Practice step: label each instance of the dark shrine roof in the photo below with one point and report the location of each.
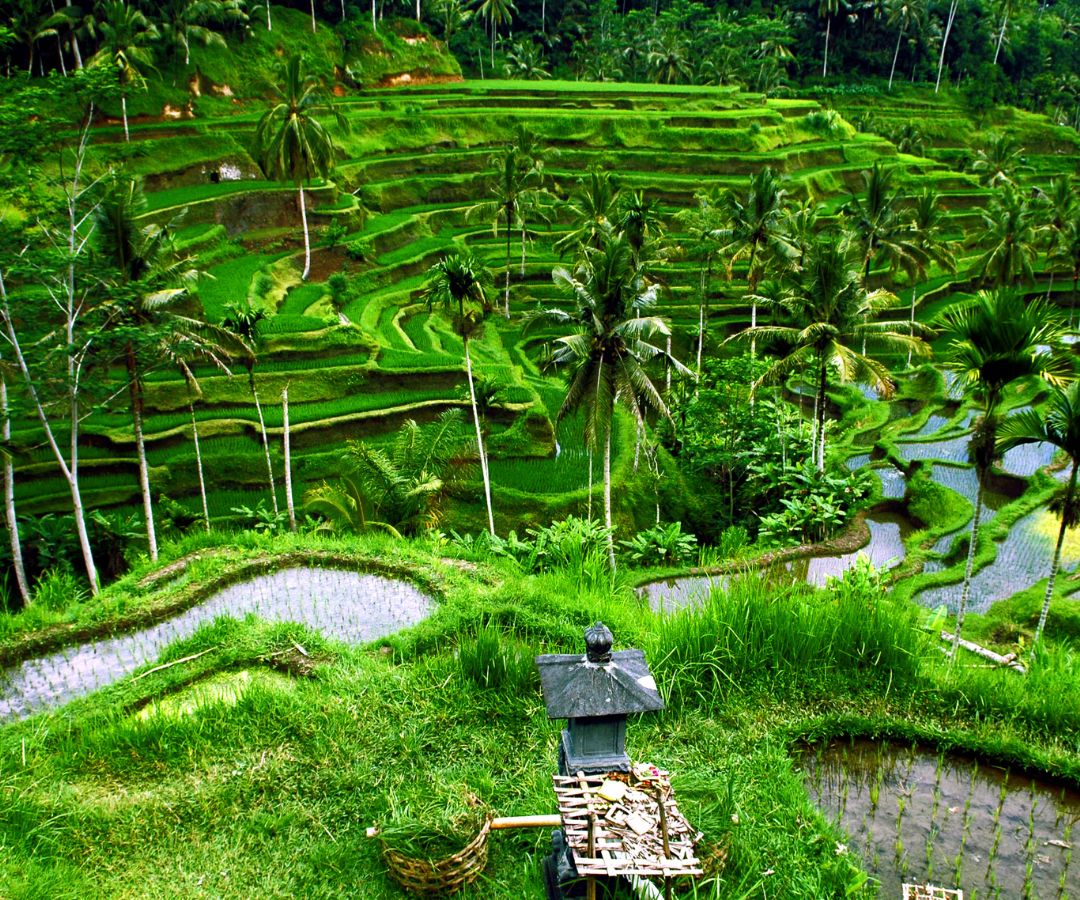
(576, 688)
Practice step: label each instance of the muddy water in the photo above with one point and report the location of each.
(347, 606)
(915, 816)
(887, 533)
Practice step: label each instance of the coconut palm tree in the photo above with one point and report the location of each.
(703, 225)
(832, 314)
(592, 212)
(1068, 253)
(148, 281)
(127, 39)
(497, 13)
(1009, 239)
(1059, 426)
(245, 322)
(608, 346)
(930, 228)
(291, 142)
(999, 161)
(876, 227)
(904, 13)
(184, 22)
(755, 229)
(459, 283)
(994, 340)
(1059, 206)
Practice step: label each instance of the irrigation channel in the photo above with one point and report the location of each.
(915, 815)
(1023, 556)
(346, 606)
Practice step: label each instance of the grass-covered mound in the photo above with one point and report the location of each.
(192, 781)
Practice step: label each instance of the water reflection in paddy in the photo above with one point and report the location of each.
(348, 606)
(913, 815)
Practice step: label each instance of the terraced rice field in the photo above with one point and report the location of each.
(413, 164)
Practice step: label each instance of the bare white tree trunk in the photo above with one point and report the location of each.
(374, 25)
(266, 446)
(123, 109)
(9, 501)
(135, 388)
(944, 42)
(1001, 37)
(199, 467)
(1055, 563)
(896, 53)
(589, 505)
(969, 566)
(607, 495)
(269, 24)
(307, 237)
(75, 45)
(313, 25)
(911, 328)
(825, 64)
(288, 458)
(479, 440)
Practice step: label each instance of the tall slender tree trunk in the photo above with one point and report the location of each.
(75, 44)
(589, 505)
(944, 41)
(523, 239)
(265, 440)
(896, 53)
(374, 24)
(288, 458)
(307, 236)
(417, 10)
(136, 393)
(825, 64)
(60, 55)
(123, 110)
(969, 566)
(199, 466)
(543, 16)
(342, 10)
(313, 24)
(1001, 37)
(1055, 564)
(700, 328)
(9, 501)
(506, 298)
(607, 494)
(269, 24)
(479, 438)
(819, 416)
(911, 326)
(752, 286)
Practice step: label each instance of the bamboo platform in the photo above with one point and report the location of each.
(640, 833)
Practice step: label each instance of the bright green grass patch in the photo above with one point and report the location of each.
(229, 283)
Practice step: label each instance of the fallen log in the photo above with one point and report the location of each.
(1010, 661)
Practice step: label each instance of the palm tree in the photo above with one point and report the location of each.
(639, 219)
(127, 37)
(460, 282)
(525, 61)
(999, 161)
(496, 12)
(827, 9)
(904, 13)
(832, 312)
(876, 226)
(592, 212)
(993, 340)
(1010, 240)
(1060, 206)
(702, 224)
(1059, 426)
(149, 280)
(291, 142)
(929, 226)
(755, 228)
(187, 21)
(608, 346)
(668, 61)
(1004, 10)
(1068, 252)
(244, 322)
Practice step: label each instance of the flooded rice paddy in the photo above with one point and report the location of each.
(346, 606)
(918, 816)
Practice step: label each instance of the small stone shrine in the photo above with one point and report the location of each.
(618, 819)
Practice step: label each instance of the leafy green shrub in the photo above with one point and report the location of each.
(815, 504)
(262, 519)
(826, 122)
(661, 545)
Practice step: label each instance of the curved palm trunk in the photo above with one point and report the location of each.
(136, 393)
(479, 438)
(269, 24)
(199, 466)
(607, 495)
(265, 440)
(589, 507)
(700, 328)
(75, 44)
(896, 53)
(523, 239)
(288, 462)
(313, 25)
(752, 285)
(307, 237)
(965, 593)
(911, 328)
(123, 110)
(1055, 564)
(9, 502)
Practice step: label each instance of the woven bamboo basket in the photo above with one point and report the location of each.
(432, 877)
